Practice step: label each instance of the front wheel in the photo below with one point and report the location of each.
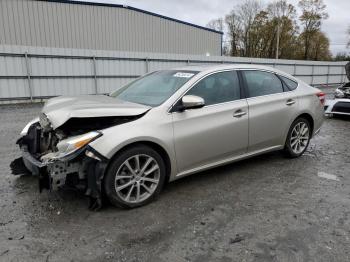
(298, 138)
(135, 177)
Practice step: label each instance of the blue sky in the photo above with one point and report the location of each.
(201, 11)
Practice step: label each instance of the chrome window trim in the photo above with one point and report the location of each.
(290, 80)
(235, 69)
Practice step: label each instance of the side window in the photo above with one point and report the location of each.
(262, 83)
(289, 83)
(218, 88)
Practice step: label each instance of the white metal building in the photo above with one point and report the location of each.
(56, 47)
(85, 25)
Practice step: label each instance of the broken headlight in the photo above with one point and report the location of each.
(69, 147)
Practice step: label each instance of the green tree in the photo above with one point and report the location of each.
(272, 27)
(259, 35)
(256, 31)
(320, 47)
(342, 56)
(313, 12)
(246, 13)
(282, 17)
(234, 33)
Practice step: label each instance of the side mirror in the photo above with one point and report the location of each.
(192, 102)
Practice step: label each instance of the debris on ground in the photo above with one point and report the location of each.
(16, 238)
(5, 223)
(237, 239)
(328, 176)
(4, 252)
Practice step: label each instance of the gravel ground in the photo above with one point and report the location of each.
(267, 208)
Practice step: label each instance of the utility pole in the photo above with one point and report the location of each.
(278, 40)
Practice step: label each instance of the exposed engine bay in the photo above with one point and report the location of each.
(340, 105)
(42, 140)
(343, 91)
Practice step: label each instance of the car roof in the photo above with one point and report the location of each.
(207, 68)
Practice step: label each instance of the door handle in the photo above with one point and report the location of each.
(290, 102)
(239, 113)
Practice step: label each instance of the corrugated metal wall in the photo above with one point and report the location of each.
(34, 72)
(87, 26)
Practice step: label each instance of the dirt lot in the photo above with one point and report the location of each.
(268, 208)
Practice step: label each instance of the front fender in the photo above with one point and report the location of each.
(142, 130)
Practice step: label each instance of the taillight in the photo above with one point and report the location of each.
(322, 97)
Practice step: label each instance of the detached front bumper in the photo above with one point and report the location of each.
(37, 168)
(30, 162)
(85, 169)
(61, 157)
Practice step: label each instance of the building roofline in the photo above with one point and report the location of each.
(133, 9)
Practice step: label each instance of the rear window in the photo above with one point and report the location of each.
(289, 83)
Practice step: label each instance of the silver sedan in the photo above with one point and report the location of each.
(166, 125)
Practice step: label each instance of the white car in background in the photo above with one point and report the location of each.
(340, 105)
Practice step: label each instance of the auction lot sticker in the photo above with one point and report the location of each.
(184, 75)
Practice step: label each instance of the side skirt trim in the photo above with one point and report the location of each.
(227, 160)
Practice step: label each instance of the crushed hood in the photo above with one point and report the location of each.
(60, 109)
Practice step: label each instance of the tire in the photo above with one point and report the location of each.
(294, 138)
(129, 183)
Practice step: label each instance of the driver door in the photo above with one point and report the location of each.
(216, 132)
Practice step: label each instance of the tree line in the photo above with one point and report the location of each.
(275, 30)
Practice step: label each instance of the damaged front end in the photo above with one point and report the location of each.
(343, 91)
(56, 146)
(62, 156)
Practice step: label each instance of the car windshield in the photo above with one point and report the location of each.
(153, 89)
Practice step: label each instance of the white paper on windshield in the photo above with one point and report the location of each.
(184, 75)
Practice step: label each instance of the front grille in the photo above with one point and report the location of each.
(342, 107)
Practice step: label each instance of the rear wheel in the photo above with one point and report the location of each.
(298, 138)
(135, 177)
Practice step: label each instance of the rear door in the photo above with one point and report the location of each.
(215, 132)
(271, 109)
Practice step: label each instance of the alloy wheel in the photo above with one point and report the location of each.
(299, 137)
(137, 178)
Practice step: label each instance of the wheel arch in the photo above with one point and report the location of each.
(309, 118)
(305, 115)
